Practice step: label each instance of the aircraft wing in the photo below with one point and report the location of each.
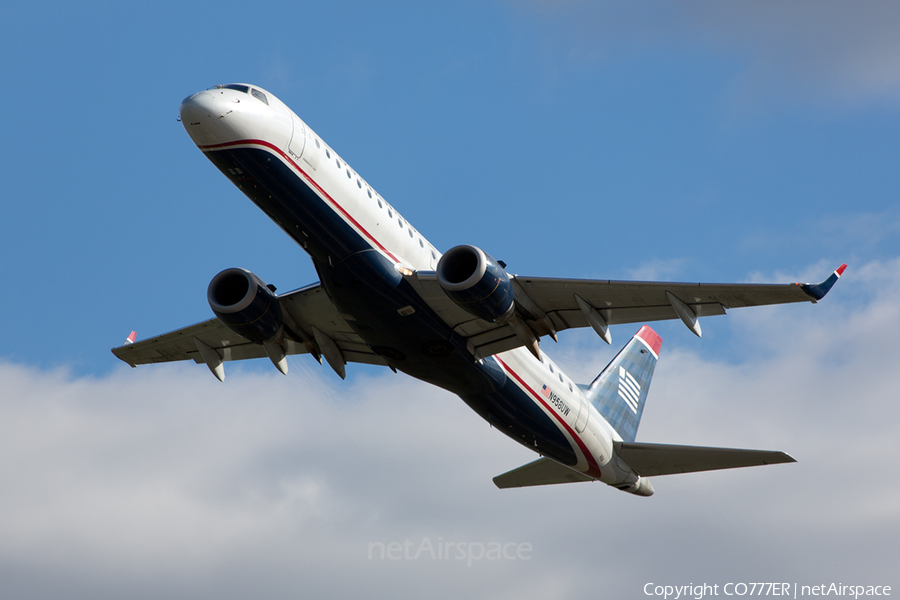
(649, 460)
(550, 305)
(304, 310)
(543, 471)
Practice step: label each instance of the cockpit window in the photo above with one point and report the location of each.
(259, 96)
(240, 88)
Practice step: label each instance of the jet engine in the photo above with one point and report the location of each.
(246, 305)
(477, 283)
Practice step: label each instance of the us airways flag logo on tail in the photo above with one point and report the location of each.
(629, 389)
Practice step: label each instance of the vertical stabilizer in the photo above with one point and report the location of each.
(620, 391)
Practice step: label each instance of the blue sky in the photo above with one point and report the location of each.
(697, 141)
(546, 134)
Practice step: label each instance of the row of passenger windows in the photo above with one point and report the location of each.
(559, 374)
(381, 203)
(409, 229)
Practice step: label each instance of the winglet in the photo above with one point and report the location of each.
(131, 337)
(817, 291)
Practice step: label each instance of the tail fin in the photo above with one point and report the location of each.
(619, 392)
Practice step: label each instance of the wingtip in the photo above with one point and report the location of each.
(819, 290)
(781, 458)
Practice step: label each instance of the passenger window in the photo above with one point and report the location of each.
(318, 146)
(390, 214)
(410, 232)
(369, 192)
(551, 367)
(379, 203)
(421, 245)
(327, 152)
(338, 161)
(400, 222)
(348, 174)
(560, 378)
(570, 387)
(358, 184)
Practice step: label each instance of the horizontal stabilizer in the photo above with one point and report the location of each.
(649, 460)
(543, 471)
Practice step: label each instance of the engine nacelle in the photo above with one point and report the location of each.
(477, 283)
(242, 301)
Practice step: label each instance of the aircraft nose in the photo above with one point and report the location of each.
(197, 106)
(199, 113)
(233, 113)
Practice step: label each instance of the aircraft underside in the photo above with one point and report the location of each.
(363, 284)
(457, 320)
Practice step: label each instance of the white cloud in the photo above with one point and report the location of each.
(825, 52)
(161, 481)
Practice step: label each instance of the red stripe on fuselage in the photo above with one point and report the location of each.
(593, 468)
(311, 181)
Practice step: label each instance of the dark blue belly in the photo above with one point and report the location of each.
(362, 282)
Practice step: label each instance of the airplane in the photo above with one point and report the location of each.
(457, 320)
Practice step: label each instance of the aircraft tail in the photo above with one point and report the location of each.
(620, 391)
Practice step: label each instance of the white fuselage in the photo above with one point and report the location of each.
(223, 118)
